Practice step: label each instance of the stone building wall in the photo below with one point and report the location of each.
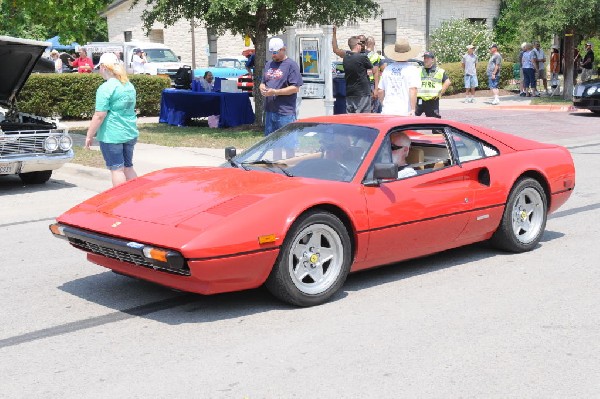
(409, 16)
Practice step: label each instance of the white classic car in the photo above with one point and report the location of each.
(30, 146)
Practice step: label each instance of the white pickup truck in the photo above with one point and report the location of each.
(161, 60)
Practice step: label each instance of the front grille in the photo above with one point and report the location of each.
(24, 143)
(110, 252)
(121, 250)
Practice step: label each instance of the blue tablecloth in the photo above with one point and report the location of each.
(176, 106)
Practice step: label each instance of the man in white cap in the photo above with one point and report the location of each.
(469, 66)
(400, 80)
(280, 84)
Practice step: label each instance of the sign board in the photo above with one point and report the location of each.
(310, 57)
(312, 90)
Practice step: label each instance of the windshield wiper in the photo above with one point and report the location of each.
(237, 165)
(280, 166)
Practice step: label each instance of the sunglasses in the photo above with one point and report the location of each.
(275, 52)
(396, 147)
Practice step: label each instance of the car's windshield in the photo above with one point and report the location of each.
(160, 55)
(317, 150)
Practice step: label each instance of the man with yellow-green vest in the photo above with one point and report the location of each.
(374, 74)
(434, 82)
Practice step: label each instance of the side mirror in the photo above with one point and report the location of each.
(385, 171)
(179, 58)
(230, 152)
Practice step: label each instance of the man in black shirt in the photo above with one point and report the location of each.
(587, 64)
(356, 65)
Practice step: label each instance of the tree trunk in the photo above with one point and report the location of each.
(260, 52)
(568, 70)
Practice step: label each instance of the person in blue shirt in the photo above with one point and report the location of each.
(115, 122)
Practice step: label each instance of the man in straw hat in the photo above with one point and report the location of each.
(400, 80)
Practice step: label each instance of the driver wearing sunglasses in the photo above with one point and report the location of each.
(400, 148)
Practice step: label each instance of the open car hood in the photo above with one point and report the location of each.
(18, 59)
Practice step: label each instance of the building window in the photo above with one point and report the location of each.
(477, 20)
(157, 36)
(127, 35)
(212, 47)
(389, 31)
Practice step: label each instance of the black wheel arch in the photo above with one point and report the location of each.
(340, 214)
(541, 179)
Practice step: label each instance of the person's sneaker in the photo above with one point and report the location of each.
(466, 100)
(472, 99)
(522, 94)
(495, 101)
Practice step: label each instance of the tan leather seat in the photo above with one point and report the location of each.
(415, 155)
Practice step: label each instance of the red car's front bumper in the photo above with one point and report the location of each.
(207, 276)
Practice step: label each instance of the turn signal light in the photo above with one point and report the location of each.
(267, 239)
(57, 230)
(156, 254)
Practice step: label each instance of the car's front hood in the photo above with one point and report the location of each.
(18, 59)
(171, 196)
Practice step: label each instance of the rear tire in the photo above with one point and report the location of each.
(36, 177)
(314, 260)
(524, 218)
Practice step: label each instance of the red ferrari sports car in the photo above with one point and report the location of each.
(321, 198)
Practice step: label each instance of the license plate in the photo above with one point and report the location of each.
(8, 168)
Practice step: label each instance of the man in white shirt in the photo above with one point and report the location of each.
(138, 61)
(400, 80)
(541, 65)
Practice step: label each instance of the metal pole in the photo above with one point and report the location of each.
(327, 51)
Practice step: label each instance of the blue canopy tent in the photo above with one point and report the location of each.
(61, 47)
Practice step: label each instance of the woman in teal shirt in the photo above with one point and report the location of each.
(115, 122)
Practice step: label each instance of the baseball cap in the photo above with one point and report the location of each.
(470, 46)
(494, 45)
(276, 44)
(588, 44)
(109, 59)
(429, 54)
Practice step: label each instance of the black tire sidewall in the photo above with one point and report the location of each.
(504, 237)
(280, 282)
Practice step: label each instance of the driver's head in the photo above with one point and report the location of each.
(400, 147)
(335, 146)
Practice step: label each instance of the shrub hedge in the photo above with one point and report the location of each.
(456, 76)
(73, 95)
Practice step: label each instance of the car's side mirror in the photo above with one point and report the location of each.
(385, 171)
(230, 152)
(179, 58)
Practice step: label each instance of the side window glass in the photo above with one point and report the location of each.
(469, 148)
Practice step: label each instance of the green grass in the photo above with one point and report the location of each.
(554, 100)
(173, 136)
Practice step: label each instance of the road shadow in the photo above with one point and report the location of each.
(168, 306)
(584, 114)
(12, 185)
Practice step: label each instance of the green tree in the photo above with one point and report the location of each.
(571, 19)
(73, 20)
(449, 41)
(257, 19)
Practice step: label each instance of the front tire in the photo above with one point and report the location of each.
(40, 177)
(524, 218)
(314, 260)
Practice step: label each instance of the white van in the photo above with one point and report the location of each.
(161, 59)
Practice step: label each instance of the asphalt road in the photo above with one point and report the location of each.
(470, 322)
